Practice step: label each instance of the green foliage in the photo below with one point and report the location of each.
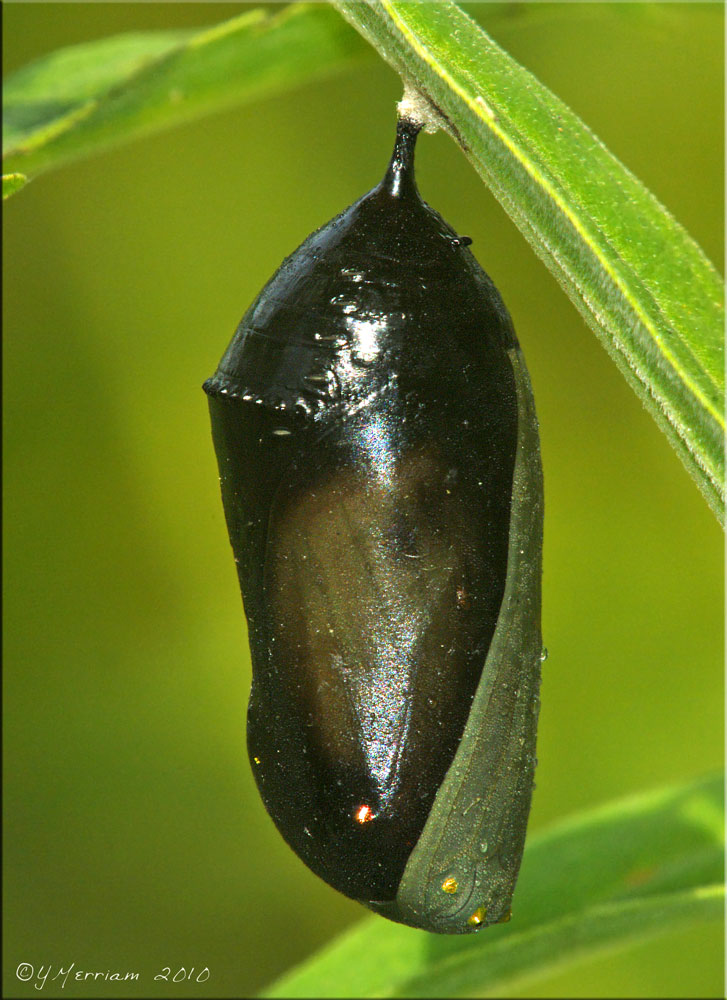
(13, 183)
(86, 98)
(599, 882)
(595, 882)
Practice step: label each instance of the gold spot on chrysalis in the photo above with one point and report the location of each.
(364, 814)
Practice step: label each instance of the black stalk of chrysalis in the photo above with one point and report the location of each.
(380, 468)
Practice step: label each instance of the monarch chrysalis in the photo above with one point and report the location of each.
(380, 469)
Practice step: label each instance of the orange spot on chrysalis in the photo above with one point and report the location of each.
(364, 814)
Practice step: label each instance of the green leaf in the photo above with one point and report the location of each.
(41, 94)
(633, 272)
(89, 97)
(632, 869)
(13, 183)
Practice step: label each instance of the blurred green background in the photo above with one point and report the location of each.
(134, 837)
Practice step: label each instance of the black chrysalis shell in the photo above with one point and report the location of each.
(378, 454)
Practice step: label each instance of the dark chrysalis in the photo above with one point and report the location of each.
(380, 468)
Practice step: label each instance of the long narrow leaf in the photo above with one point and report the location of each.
(638, 867)
(39, 96)
(89, 97)
(632, 271)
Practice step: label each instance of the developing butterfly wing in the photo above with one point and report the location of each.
(463, 871)
(379, 585)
